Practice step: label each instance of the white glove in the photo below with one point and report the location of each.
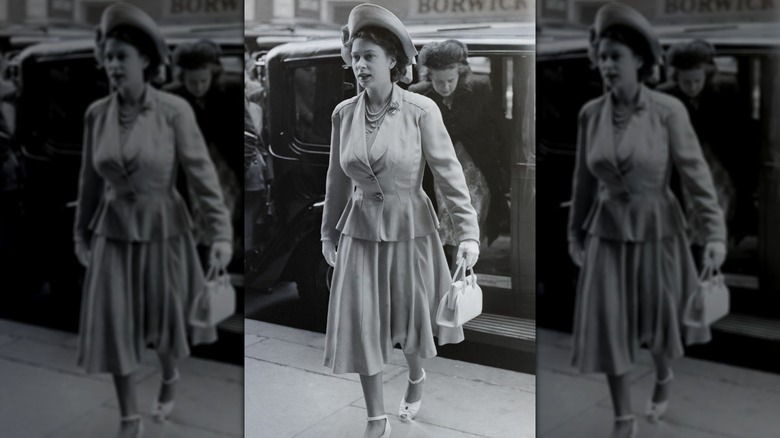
(576, 253)
(220, 254)
(82, 252)
(714, 254)
(469, 249)
(329, 252)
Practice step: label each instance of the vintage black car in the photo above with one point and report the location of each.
(747, 61)
(54, 84)
(304, 82)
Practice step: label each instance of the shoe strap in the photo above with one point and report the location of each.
(173, 379)
(381, 417)
(624, 418)
(130, 418)
(669, 377)
(415, 382)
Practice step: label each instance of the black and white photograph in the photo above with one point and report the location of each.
(657, 280)
(121, 226)
(390, 233)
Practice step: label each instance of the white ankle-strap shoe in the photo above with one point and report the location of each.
(386, 431)
(162, 410)
(656, 410)
(138, 432)
(407, 411)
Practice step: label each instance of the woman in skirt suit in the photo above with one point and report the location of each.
(626, 228)
(132, 228)
(379, 228)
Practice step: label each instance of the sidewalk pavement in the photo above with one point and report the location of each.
(708, 399)
(289, 393)
(45, 395)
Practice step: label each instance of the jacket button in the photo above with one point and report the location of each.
(371, 177)
(379, 197)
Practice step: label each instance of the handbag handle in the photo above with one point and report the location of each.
(709, 272)
(213, 273)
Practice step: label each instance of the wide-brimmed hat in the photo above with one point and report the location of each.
(124, 14)
(620, 14)
(373, 15)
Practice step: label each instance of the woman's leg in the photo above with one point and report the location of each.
(663, 373)
(169, 374)
(414, 392)
(620, 391)
(128, 405)
(375, 403)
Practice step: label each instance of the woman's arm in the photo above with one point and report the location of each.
(90, 188)
(201, 174)
(338, 186)
(694, 173)
(448, 173)
(584, 186)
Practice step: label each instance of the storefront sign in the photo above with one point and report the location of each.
(472, 9)
(307, 9)
(702, 10)
(203, 8)
(61, 9)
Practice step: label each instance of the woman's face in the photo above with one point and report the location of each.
(618, 64)
(124, 64)
(691, 81)
(444, 81)
(371, 64)
(197, 81)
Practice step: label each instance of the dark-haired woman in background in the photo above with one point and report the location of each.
(470, 114)
(390, 270)
(132, 229)
(216, 103)
(721, 129)
(626, 228)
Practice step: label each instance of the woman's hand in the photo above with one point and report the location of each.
(714, 254)
(220, 255)
(469, 250)
(82, 252)
(576, 253)
(329, 252)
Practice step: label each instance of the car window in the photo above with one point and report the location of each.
(53, 101)
(317, 89)
(563, 87)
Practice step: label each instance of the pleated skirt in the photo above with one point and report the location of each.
(138, 294)
(383, 294)
(632, 295)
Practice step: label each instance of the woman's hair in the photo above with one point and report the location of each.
(443, 55)
(197, 55)
(631, 38)
(691, 55)
(141, 41)
(389, 42)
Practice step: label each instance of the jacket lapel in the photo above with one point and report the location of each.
(357, 134)
(388, 128)
(137, 138)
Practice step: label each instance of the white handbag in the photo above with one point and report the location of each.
(463, 301)
(710, 301)
(217, 301)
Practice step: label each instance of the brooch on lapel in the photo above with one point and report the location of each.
(393, 108)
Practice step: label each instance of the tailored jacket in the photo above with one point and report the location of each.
(379, 196)
(629, 199)
(128, 192)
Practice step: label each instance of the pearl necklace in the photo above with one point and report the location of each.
(373, 120)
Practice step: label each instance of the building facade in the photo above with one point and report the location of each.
(409, 11)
